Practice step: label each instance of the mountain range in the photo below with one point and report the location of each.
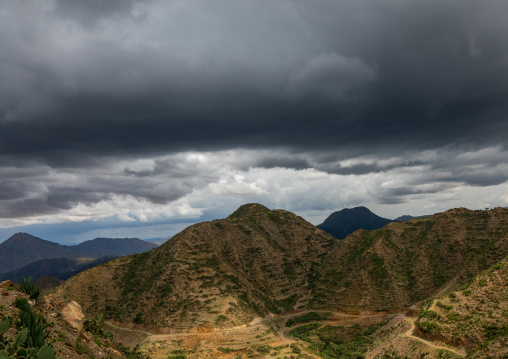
(362, 294)
(60, 268)
(258, 261)
(22, 249)
(266, 283)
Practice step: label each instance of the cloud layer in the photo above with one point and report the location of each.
(149, 109)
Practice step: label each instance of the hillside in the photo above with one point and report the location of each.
(22, 249)
(342, 223)
(396, 266)
(257, 261)
(223, 272)
(475, 317)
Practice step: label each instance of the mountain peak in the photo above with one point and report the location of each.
(249, 209)
(22, 238)
(342, 223)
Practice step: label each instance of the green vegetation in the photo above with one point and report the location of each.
(34, 322)
(429, 327)
(305, 318)
(302, 332)
(443, 306)
(95, 326)
(19, 348)
(336, 341)
(28, 286)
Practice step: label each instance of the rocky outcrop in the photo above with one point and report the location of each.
(73, 315)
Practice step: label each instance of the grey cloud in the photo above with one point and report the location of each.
(89, 12)
(332, 77)
(85, 82)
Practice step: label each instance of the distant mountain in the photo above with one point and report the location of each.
(61, 268)
(22, 249)
(342, 223)
(99, 247)
(406, 218)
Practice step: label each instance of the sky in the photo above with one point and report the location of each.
(137, 118)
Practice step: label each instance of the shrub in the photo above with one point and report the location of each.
(305, 318)
(28, 286)
(443, 306)
(429, 327)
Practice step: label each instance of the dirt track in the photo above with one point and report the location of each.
(409, 333)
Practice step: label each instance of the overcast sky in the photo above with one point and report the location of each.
(135, 118)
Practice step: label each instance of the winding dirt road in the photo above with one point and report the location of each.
(409, 334)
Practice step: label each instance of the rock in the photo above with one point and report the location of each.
(86, 336)
(114, 353)
(73, 315)
(7, 284)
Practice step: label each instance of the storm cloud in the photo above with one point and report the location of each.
(168, 104)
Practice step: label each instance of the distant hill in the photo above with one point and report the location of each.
(342, 223)
(22, 249)
(99, 247)
(406, 218)
(61, 268)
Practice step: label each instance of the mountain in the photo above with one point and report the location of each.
(402, 263)
(342, 223)
(22, 249)
(256, 261)
(224, 272)
(406, 218)
(99, 247)
(61, 268)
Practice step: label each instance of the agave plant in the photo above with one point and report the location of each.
(28, 286)
(10, 349)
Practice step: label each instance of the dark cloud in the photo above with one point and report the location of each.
(85, 84)
(382, 77)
